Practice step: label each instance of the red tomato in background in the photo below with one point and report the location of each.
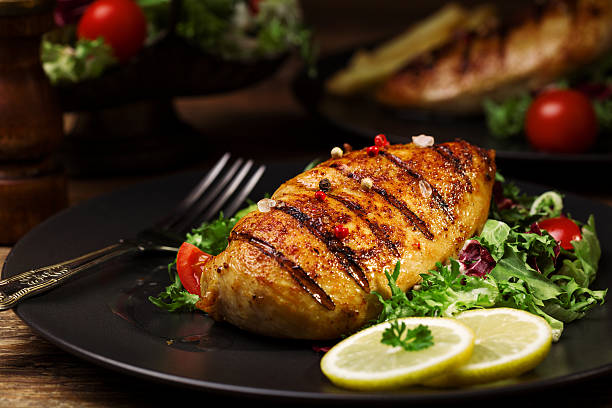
(561, 121)
(121, 22)
(563, 230)
(189, 262)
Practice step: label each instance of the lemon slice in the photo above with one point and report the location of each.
(509, 342)
(362, 362)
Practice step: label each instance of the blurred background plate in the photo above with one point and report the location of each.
(362, 118)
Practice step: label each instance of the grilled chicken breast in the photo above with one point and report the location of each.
(553, 40)
(287, 273)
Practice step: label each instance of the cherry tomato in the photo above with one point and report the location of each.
(563, 230)
(189, 262)
(561, 121)
(121, 23)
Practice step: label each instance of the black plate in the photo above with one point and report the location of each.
(363, 118)
(104, 316)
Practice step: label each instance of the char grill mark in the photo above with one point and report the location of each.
(343, 253)
(378, 232)
(435, 195)
(394, 201)
(296, 271)
(447, 154)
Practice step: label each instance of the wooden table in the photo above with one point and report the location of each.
(264, 121)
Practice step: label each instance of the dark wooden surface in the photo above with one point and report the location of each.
(264, 122)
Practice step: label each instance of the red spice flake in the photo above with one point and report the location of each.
(372, 151)
(417, 245)
(320, 195)
(381, 140)
(340, 231)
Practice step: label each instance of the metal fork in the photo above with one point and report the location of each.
(224, 185)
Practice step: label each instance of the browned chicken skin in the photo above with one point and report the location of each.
(552, 41)
(286, 274)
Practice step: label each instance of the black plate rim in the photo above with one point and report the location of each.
(295, 396)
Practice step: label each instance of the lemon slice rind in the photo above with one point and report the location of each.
(530, 338)
(361, 362)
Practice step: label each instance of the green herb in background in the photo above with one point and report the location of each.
(506, 119)
(204, 22)
(227, 28)
(157, 13)
(398, 335)
(603, 110)
(86, 60)
(280, 28)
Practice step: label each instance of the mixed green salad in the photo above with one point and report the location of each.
(512, 263)
(231, 29)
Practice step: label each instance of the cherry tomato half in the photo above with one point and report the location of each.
(561, 121)
(189, 262)
(563, 230)
(121, 23)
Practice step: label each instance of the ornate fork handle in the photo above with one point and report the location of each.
(23, 285)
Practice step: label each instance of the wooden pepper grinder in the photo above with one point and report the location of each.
(32, 183)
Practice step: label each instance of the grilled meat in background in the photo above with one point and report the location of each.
(552, 40)
(286, 273)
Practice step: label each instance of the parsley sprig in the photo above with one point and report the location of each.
(399, 335)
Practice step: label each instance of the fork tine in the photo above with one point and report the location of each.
(189, 217)
(242, 195)
(212, 211)
(195, 193)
